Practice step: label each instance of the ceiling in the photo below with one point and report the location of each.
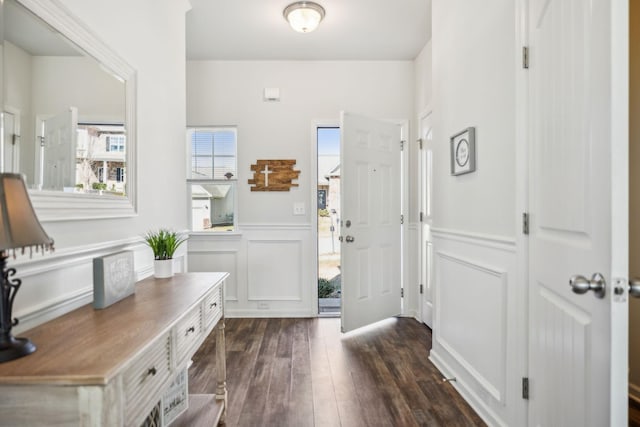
(351, 29)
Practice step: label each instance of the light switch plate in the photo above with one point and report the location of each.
(298, 208)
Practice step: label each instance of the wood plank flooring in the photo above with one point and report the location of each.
(304, 372)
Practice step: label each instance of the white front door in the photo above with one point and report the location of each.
(370, 223)
(578, 214)
(426, 246)
(58, 161)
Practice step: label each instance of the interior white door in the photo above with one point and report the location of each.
(370, 223)
(573, 210)
(58, 166)
(426, 245)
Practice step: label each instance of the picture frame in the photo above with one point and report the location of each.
(463, 152)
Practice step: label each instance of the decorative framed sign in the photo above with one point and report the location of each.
(273, 175)
(463, 152)
(113, 278)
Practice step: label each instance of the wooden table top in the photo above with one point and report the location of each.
(89, 346)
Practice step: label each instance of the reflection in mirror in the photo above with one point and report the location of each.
(51, 86)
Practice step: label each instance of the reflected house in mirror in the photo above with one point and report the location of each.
(71, 100)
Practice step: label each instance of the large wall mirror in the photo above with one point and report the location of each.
(68, 121)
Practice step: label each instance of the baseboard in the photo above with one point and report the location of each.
(483, 411)
(255, 313)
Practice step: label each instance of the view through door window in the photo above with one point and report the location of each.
(329, 275)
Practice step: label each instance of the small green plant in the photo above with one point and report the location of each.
(325, 288)
(323, 212)
(99, 185)
(80, 186)
(163, 243)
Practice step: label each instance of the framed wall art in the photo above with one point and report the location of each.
(463, 152)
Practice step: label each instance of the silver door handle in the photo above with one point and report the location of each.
(340, 238)
(634, 288)
(597, 284)
(349, 239)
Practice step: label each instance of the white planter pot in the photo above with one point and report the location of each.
(162, 268)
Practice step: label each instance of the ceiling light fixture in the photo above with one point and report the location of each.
(304, 16)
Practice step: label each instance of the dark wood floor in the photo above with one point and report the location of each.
(303, 372)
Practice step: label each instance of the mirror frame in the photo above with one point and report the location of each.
(60, 206)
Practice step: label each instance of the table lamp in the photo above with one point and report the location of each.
(19, 230)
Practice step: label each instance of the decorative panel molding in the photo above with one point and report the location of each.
(473, 297)
(56, 283)
(479, 314)
(275, 272)
(218, 260)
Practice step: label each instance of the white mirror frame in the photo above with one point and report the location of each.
(59, 206)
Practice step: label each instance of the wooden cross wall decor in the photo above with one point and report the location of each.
(273, 175)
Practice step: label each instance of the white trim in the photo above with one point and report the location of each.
(51, 309)
(488, 240)
(277, 227)
(54, 206)
(619, 166)
(476, 403)
(519, 285)
(255, 313)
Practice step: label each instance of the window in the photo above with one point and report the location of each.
(212, 178)
(115, 143)
(120, 174)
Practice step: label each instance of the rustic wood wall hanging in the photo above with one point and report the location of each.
(273, 175)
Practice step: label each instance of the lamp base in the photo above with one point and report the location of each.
(14, 348)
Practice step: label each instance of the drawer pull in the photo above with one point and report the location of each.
(191, 329)
(213, 304)
(152, 371)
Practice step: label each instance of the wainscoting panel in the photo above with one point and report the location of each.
(276, 270)
(479, 322)
(218, 260)
(271, 268)
(465, 283)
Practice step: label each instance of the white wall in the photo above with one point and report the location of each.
(479, 335)
(150, 36)
(231, 93)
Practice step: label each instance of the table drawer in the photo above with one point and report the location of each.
(212, 306)
(188, 333)
(144, 378)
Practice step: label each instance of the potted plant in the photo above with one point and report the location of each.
(163, 243)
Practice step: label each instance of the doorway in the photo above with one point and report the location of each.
(329, 273)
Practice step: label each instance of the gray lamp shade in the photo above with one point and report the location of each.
(19, 226)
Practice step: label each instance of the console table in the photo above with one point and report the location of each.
(111, 367)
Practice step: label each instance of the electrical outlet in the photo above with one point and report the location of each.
(263, 305)
(298, 208)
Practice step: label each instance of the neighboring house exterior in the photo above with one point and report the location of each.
(100, 158)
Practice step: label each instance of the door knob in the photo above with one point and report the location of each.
(349, 239)
(340, 238)
(634, 288)
(597, 284)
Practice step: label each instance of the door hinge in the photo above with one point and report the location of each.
(525, 57)
(401, 145)
(401, 219)
(401, 292)
(421, 288)
(42, 141)
(421, 216)
(525, 388)
(525, 223)
(420, 143)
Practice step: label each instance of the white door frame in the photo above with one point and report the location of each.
(313, 185)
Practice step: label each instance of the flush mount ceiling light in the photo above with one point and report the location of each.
(304, 16)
